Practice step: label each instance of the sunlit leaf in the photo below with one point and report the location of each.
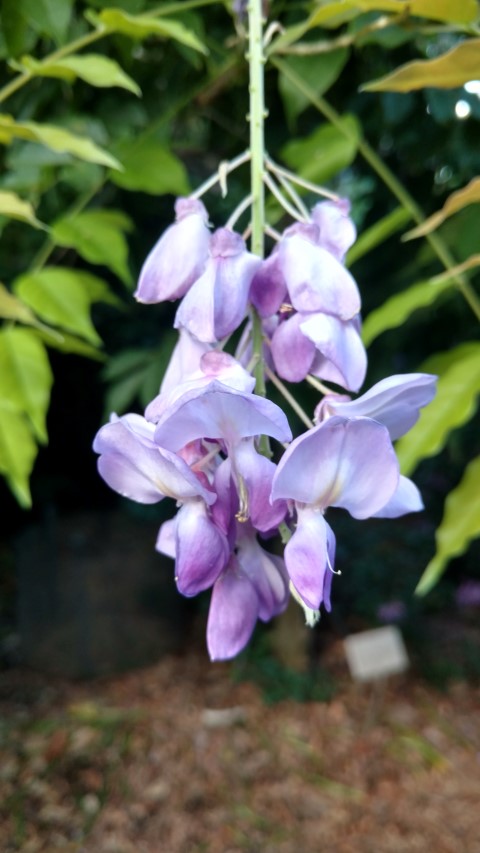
(25, 376)
(16, 208)
(453, 405)
(12, 308)
(63, 297)
(452, 69)
(56, 138)
(150, 168)
(459, 526)
(456, 201)
(98, 236)
(18, 451)
(440, 362)
(340, 11)
(93, 68)
(68, 344)
(141, 26)
(325, 152)
(400, 307)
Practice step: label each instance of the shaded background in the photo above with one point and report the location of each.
(83, 594)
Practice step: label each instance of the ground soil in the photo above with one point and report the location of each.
(179, 758)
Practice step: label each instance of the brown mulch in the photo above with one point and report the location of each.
(178, 758)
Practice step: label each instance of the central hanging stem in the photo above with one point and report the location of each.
(256, 62)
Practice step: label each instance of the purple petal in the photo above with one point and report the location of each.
(166, 539)
(137, 469)
(233, 613)
(394, 402)
(293, 353)
(256, 472)
(268, 289)
(178, 258)
(268, 575)
(217, 303)
(201, 549)
(405, 499)
(225, 507)
(342, 357)
(316, 281)
(184, 361)
(216, 412)
(336, 230)
(341, 462)
(306, 556)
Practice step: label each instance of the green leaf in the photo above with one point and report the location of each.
(25, 376)
(18, 451)
(12, 308)
(453, 405)
(452, 69)
(400, 307)
(16, 208)
(68, 344)
(325, 152)
(337, 13)
(48, 17)
(456, 201)
(318, 72)
(98, 236)
(379, 232)
(150, 168)
(63, 297)
(141, 26)
(459, 526)
(14, 28)
(440, 362)
(56, 138)
(93, 68)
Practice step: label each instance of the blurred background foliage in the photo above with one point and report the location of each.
(110, 112)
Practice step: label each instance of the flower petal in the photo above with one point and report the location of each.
(268, 574)
(136, 468)
(343, 462)
(306, 556)
(218, 412)
(179, 256)
(268, 289)
(316, 281)
(342, 356)
(201, 550)
(292, 352)
(233, 613)
(405, 499)
(395, 402)
(255, 472)
(336, 230)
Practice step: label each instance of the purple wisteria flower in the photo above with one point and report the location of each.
(348, 463)
(179, 256)
(133, 465)
(216, 304)
(305, 284)
(395, 402)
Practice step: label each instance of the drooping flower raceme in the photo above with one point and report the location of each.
(203, 440)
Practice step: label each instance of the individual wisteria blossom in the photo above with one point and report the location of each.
(216, 303)
(179, 257)
(395, 402)
(211, 444)
(342, 462)
(315, 300)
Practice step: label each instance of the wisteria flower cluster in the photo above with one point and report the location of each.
(205, 439)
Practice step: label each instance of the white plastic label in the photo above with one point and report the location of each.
(376, 654)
